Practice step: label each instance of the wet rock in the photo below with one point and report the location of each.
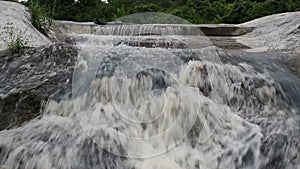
(187, 55)
(56, 35)
(148, 34)
(154, 43)
(99, 22)
(294, 64)
(275, 147)
(29, 79)
(227, 43)
(107, 66)
(199, 77)
(17, 17)
(159, 78)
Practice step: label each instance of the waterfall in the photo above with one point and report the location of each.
(148, 97)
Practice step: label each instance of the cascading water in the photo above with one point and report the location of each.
(164, 101)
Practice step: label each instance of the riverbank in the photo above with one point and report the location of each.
(279, 32)
(93, 103)
(271, 33)
(15, 21)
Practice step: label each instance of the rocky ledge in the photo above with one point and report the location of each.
(30, 78)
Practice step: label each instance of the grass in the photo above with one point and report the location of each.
(15, 42)
(40, 17)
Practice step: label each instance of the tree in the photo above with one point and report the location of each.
(238, 13)
(195, 11)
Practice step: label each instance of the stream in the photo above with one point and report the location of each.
(150, 96)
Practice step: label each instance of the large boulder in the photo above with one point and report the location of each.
(16, 18)
(278, 32)
(168, 43)
(294, 64)
(29, 79)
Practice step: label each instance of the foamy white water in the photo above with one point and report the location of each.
(158, 106)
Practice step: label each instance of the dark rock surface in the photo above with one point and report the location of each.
(295, 64)
(154, 43)
(99, 22)
(227, 43)
(225, 30)
(56, 35)
(28, 79)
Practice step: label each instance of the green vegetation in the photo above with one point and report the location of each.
(40, 16)
(195, 11)
(15, 42)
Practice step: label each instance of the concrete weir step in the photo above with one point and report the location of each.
(121, 29)
(224, 29)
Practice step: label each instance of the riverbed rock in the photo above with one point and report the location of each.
(15, 17)
(170, 43)
(278, 32)
(29, 79)
(294, 64)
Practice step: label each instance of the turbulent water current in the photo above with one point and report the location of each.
(162, 101)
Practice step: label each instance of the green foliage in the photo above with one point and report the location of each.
(18, 45)
(146, 8)
(15, 42)
(40, 16)
(195, 11)
(120, 12)
(187, 13)
(238, 12)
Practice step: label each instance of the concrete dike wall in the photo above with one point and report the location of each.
(207, 29)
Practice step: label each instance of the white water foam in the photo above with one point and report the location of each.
(148, 108)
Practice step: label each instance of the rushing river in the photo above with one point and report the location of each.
(155, 97)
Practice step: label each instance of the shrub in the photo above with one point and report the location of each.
(145, 8)
(188, 14)
(121, 12)
(40, 16)
(15, 42)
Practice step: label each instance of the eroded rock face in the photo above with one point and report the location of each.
(15, 17)
(28, 79)
(295, 64)
(170, 43)
(278, 32)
